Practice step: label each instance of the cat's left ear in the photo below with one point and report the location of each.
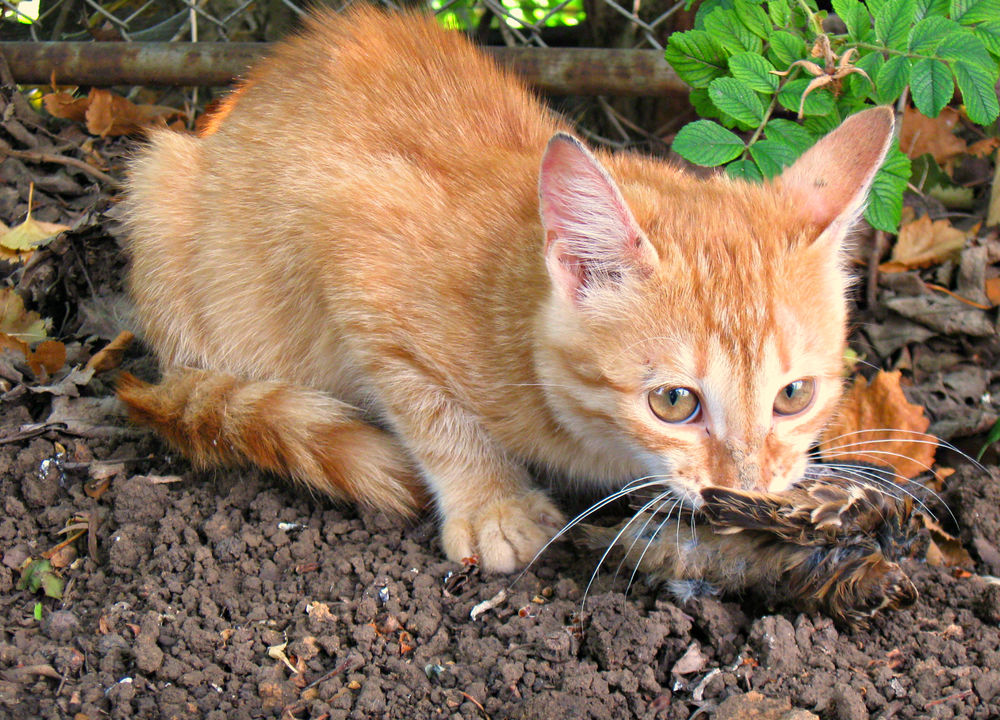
(591, 236)
(830, 182)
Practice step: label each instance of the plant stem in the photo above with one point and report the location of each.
(817, 25)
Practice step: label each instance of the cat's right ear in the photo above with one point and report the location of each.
(591, 236)
(830, 182)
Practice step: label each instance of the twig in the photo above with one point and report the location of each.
(41, 157)
(871, 292)
(958, 297)
(953, 696)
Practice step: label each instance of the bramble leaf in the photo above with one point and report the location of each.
(737, 99)
(969, 12)
(892, 22)
(755, 70)
(817, 102)
(704, 142)
(772, 156)
(779, 12)
(978, 92)
(892, 79)
(989, 34)
(885, 204)
(698, 97)
(963, 46)
(855, 17)
(786, 48)
(930, 8)
(789, 133)
(927, 34)
(753, 18)
(727, 29)
(696, 57)
(744, 169)
(931, 86)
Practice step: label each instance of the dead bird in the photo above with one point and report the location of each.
(823, 545)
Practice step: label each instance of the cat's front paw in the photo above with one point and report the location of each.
(506, 534)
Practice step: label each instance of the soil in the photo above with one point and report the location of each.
(231, 594)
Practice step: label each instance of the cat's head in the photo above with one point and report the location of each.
(701, 324)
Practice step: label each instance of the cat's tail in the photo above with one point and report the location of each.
(219, 419)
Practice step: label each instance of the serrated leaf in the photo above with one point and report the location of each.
(755, 70)
(820, 125)
(969, 12)
(779, 12)
(963, 46)
(927, 34)
(930, 8)
(876, 5)
(885, 202)
(696, 57)
(728, 31)
(705, 142)
(892, 79)
(786, 49)
(931, 86)
(737, 99)
(744, 169)
(772, 156)
(753, 18)
(860, 86)
(978, 92)
(707, 6)
(855, 16)
(989, 34)
(701, 103)
(817, 102)
(892, 22)
(789, 133)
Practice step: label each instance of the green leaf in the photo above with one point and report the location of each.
(705, 142)
(753, 18)
(706, 7)
(892, 22)
(963, 46)
(744, 169)
(755, 70)
(772, 156)
(37, 612)
(978, 92)
(699, 99)
(969, 12)
(696, 57)
(927, 34)
(991, 437)
(857, 85)
(989, 34)
(818, 102)
(931, 86)
(738, 99)
(876, 5)
(789, 133)
(786, 49)
(855, 17)
(728, 31)
(779, 12)
(52, 585)
(929, 8)
(892, 79)
(820, 125)
(885, 202)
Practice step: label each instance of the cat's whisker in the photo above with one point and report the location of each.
(938, 441)
(662, 499)
(650, 539)
(645, 482)
(884, 483)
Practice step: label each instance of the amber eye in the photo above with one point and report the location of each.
(674, 404)
(794, 397)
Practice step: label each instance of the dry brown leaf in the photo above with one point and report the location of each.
(64, 105)
(110, 356)
(920, 135)
(877, 424)
(18, 323)
(924, 242)
(944, 549)
(49, 356)
(109, 114)
(982, 148)
(992, 287)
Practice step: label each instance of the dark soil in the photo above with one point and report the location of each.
(234, 595)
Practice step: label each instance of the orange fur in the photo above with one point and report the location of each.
(359, 237)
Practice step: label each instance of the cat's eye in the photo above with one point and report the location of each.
(795, 397)
(674, 404)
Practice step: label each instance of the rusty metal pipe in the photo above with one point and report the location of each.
(556, 71)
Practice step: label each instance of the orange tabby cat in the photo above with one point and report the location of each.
(387, 270)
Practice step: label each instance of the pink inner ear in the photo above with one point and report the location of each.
(581, 205)
(831, 180)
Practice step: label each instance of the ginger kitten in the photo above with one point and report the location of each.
(389, 272)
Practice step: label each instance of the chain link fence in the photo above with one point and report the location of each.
(539, 24)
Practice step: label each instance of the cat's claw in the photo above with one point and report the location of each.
(505, 535)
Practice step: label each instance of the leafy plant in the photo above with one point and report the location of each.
(748, 61)
(39, 575)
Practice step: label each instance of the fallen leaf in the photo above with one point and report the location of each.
(106, 113)
(924, 242)
(19, 242)
(944, 549)
(18, 323)
(110, 356)
(982, 148)
(48, 357)
(921, 135)
(992, 289)
(63, 105)
(877, 424)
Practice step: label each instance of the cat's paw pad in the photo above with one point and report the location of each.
(505, 535)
